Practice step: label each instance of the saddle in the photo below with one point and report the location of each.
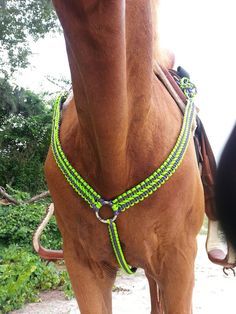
(207, 167)
(204, 153)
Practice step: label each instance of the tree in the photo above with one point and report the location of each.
(20, 21)
(25, 128)
(16, 100)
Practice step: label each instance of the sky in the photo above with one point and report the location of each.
(201, 33)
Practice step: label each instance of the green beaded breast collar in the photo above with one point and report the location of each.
(137, 193)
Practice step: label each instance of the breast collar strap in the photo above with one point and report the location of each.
(135, 194)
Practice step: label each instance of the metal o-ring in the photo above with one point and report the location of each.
(105, 221)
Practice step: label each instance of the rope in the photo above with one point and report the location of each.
(115, 241)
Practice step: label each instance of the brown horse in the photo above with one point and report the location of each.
(120, 126)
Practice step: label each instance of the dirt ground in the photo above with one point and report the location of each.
(214, 293)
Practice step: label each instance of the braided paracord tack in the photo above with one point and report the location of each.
(137, 193)
(115, 241)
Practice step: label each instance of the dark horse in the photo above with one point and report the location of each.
(226, 189)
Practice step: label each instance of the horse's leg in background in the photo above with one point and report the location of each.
(154, 296)
(92, 282)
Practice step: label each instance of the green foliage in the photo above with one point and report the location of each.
(23, 275)
(17, 195)
(18, 224)
(19, 21)
(67, 288)
(17, 100)
(24, 144)
(24, 138)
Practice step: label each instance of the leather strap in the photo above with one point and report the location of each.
(204, 151)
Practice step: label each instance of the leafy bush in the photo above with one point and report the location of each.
(23, 275)
(18, 224)
(25, 123)
(25, 127)
(17, 100)
(24, 144)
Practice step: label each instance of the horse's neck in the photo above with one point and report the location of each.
(109, 46)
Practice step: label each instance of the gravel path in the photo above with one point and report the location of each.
(213, 294)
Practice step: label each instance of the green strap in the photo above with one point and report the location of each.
(139, 192)
(115, 241)
(164, 172)
(71, 175)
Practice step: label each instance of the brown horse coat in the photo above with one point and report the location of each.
(120, 126)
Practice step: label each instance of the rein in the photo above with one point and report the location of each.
(137, 193)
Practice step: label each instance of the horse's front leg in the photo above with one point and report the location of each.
(154, 296)
(92, 282)
(177, 277)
